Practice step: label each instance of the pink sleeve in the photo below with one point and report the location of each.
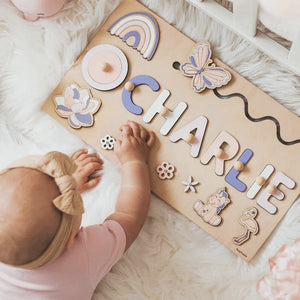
(105, 244)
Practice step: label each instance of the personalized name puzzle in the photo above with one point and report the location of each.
(226, 154)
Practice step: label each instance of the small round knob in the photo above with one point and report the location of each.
(164, 111)
(129, 86)
(189, 138)
(239, 166)
(260, 180)
(271, 188)
(220, 153)
(104, 67)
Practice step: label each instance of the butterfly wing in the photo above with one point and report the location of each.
(189, 69)
(198, 59)
(215, 77)
(198, 83)
(201, 54)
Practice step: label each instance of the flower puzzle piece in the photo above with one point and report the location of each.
(204, 72)
(107, 142)
(209, 211)
(247, 220)
(139, 30)
(77, 106)
(190, 184)
(104, 67)
(165, 171)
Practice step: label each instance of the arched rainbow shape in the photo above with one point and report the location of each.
(142, 27)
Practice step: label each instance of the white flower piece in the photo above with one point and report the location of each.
(190, 185)
(107, 142)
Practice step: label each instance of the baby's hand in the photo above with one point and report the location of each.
(135, 144)
(86, 165)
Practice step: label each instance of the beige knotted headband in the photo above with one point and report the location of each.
(60, 167)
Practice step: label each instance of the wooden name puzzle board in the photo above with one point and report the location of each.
(226, 154)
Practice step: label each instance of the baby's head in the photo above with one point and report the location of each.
(40, 210)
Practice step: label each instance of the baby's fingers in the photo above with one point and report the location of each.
(90, 168)
(126, 131)
(151, 139)
(92, 158)
(91, 183)
(78, 153)
(135, 128)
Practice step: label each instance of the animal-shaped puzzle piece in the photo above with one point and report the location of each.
(210, 210)
(139, 30)
(158, 107)
(194, 140)
(260, 181)
(104, 67)
(272, 190)
(215, 150)
(232, 175)
(77, 106)
(129, 88)
(204, 72)
(247, 220)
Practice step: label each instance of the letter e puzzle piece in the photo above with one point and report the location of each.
(263, 198)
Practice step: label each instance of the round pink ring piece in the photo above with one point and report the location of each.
(93, 72)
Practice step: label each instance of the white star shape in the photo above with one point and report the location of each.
(190, 185)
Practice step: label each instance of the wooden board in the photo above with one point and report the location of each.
(223, 115)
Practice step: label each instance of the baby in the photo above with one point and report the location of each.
(44, 254)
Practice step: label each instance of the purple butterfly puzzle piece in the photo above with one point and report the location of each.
(204, 72)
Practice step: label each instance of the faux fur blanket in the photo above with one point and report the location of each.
(172, 257)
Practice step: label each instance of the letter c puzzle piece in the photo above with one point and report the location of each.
(263, 198)
(185, 133)
(127, 92)
(232, 175)
(214, 148)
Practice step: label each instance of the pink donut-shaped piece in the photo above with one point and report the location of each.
(108, 77)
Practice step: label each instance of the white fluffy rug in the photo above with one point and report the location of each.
(172, 258)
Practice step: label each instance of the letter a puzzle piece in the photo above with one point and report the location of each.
(184, 133)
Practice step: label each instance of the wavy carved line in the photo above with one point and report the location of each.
(281, 140)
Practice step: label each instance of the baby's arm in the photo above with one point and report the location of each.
(134, 196)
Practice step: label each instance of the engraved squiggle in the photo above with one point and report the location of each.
(281, 140)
